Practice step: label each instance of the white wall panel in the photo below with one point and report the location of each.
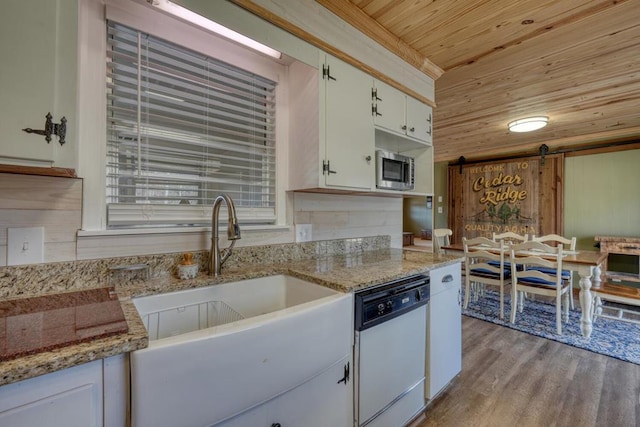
(337, 216)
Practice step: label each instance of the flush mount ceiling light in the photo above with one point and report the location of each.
(528, 124)
(208, 24)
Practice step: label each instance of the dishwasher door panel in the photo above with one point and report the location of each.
(391, 361)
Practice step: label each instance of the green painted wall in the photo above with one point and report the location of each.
(440, 174)
(602, 196)
(416, 217)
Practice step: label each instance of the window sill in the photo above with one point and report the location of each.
(179, 230)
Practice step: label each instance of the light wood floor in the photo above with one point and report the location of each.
(510, 378)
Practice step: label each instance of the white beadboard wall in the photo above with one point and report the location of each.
(333, 216)
(56, 204)
(41, 201)
(338, 216)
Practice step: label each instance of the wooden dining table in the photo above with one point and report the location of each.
(588, 265)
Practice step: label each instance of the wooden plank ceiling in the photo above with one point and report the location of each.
(575, 61)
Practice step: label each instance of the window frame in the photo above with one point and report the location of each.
(189, 81)
(92, 101)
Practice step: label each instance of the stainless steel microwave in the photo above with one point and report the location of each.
(394, 171)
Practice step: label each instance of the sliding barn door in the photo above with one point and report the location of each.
(523, 195)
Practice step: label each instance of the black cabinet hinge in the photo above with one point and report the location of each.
(345, 378)
(326, 168)
(50, 128)
(326, 72)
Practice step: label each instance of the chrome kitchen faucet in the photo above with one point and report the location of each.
(217, 257)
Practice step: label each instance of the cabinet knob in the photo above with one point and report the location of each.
(368, 159)
(404, 127)
(412, 129)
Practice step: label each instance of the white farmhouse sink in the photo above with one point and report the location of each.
(217, 351)
(180, 312)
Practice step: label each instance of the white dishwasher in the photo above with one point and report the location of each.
(389, 352)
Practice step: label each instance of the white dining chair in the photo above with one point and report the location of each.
(485, 268)
(568, 244)
(441, 237)
(532, 280)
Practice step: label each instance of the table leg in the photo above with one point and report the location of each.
(586, 300)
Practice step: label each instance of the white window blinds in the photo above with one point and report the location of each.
(183, 128)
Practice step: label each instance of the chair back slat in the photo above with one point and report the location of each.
(569, 244)
(510, 237)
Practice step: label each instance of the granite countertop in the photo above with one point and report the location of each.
(45, 362)
(345, 273)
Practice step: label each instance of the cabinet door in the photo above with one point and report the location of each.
(71, 398)
(444, 345)
(348, 127)
(419, 120)
(322, 401)
(38, 69)
(389, 108)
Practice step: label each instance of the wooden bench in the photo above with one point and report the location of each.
(616, 293)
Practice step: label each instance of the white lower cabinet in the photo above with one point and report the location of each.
(71, 397)
(444, 329)
(324, 400)
(89, 395)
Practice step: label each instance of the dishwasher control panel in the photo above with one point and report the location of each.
(384, 302)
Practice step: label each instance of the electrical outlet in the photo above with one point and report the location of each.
(439, 209)
(303, 233)
(25, 245)
(439, 199)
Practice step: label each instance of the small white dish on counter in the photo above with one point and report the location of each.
(187, 271)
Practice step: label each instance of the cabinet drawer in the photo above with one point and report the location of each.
(629, 248)
(444, 278)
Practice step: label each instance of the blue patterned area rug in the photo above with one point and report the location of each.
(609, 337)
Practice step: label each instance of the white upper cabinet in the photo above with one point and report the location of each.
(419, 120)
(401, 114)
(331, 128)
(388, 107)
(348, 129)
(38, 47)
